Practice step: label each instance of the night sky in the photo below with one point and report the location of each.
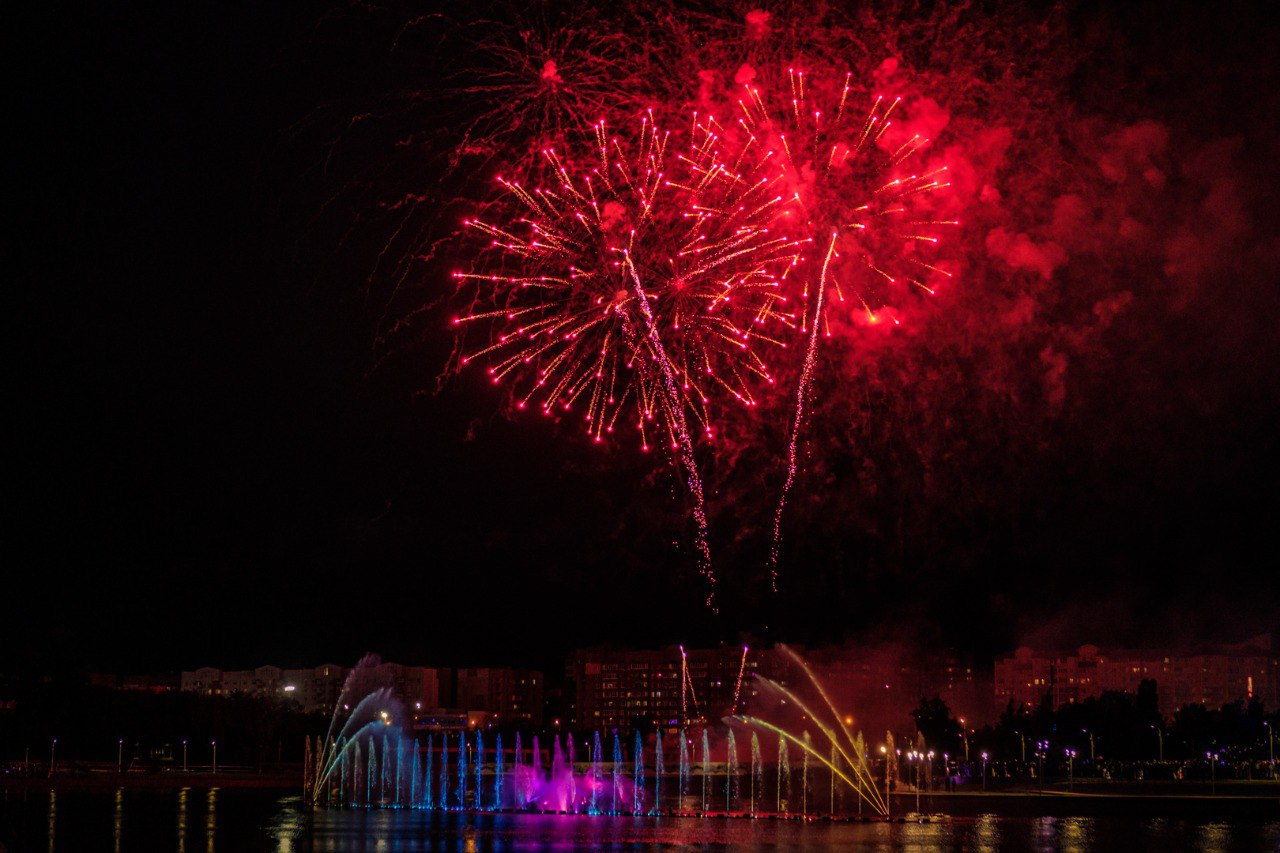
(235, 446)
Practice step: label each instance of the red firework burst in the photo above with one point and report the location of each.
(855, 175)
(646, 264)
(864, 201)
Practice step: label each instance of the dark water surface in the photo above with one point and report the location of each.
(201, 819)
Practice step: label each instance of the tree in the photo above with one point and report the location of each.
(933, 720)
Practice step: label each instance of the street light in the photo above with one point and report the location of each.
(984, 770)
(1160, 739)
(184, 755)
(1042, 748)
(1071, 757)
(120, 756)
(914, 758)
(1090, 734)
(888, 803)
(214, 744)
(1213, 763)
(53, 752)
(1271, 733)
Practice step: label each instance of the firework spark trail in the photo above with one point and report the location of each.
(737, 687)
(802, 391)
(681, 428)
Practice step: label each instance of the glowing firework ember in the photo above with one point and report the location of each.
(644, 279)
(540, 76)
(853, 176)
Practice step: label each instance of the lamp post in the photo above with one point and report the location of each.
(120, 756)
(1213, 763)
(1041, 747)
(888, 803)
(1071, 757)
(915, 763)
(53, 754)
(214, 744)
(985, 756)
(964, 737)
(1090, 734)
(1159, 740)
(184, 755)
(1271, 733)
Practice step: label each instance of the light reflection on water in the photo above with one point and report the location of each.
(117, 822)
(260, 820)
(53, 816)
(182, 820)
(1215, 837)
(211, 822)
(986, 833)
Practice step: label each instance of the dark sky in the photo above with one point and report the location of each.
(216, 462)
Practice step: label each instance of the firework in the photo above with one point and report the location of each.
(643, 254)
(859, 189)
(644, 278)
(852, 173)
(538, 75)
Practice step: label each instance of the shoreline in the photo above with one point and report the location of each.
(174, 780)
(1261, 800)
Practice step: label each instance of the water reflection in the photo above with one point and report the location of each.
(1076, 833)
(53, 815)
(1044, 829)
(182, 820)
(252, 821)
(986, 833)
(117, 821)
(1215, 837)
(287, 824)
(211, 821)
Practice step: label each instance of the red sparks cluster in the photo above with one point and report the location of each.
(659, 274)
(645, 277)
(852, 175)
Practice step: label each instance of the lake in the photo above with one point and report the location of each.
(246, 819)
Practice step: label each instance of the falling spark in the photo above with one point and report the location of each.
(802, 392)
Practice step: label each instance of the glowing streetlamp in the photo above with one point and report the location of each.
(120, 756)
(1213, 764)
(914, 757)
(214, 744)
(1090, 734)
(888, 803)
(1042, 748)
(184, 755)
(53, 753)
(985, 756)
(1071, 757)
(1160, 740)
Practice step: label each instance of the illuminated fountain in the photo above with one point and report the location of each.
(844, 746)
(371, 759)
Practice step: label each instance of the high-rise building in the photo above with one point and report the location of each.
(318, 688)
(1241, 672)
(505, 696)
